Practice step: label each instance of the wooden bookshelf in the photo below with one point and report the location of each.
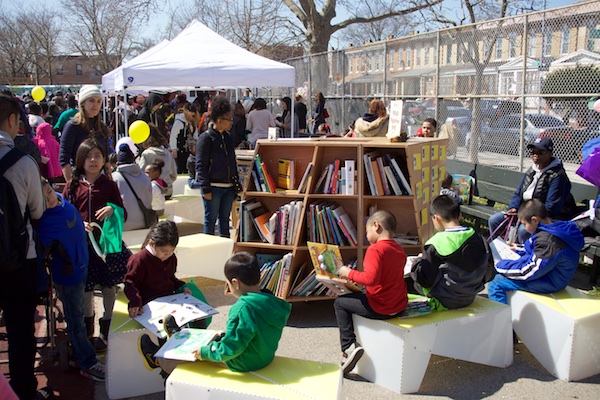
(423, 158)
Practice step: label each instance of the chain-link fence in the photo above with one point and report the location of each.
(501, 83)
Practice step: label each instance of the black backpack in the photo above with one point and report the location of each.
(14, 240)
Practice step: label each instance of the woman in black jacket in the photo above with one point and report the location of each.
(216, 168)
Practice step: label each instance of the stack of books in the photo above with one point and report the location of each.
(274, 227)
(328, 222)
(385, 176)
(339, 177)
(275, 275)
(263, 181)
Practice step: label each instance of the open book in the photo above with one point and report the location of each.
(327, 260)
(184, 344)
(501, 251)
(184, 307)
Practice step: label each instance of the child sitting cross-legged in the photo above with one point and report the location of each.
(456, 262)
(383, 277)
(549, 260)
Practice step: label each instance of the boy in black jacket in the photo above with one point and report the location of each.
(456, 261)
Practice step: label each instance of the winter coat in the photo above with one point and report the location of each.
(215, 160)
(49, 147)
(140, 182)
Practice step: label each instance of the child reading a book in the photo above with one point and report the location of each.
(62, 234)
(456, 262)
(549, 260)
(383, 278)
(449, 191)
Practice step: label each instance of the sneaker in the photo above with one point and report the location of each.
(351, 356)
(147, 349)
(95, 372)
(170, 325)
(45, 393)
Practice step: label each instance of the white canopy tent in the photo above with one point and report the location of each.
(199, 57)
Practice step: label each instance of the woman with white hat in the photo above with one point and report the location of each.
(85, 124)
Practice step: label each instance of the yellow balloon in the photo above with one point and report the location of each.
(38, 93)
(139, 131)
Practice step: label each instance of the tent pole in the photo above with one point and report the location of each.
(116, 115)
(125, 123)
(126, 115)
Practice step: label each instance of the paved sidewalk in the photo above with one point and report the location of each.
(311, 333)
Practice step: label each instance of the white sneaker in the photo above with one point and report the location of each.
(351, 356)
(95, 372)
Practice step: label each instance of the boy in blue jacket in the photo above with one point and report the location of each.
(549, 260)
(62, 233)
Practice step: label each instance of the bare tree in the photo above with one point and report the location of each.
(104, 28)
(376, 30)
(469, 38)
(14, 47)
(43, 37)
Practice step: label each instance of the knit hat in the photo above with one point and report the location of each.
(125, 156)
(88, 91)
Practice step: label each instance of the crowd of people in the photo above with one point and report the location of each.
(112, 185)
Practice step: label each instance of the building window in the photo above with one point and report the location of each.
(78, 70)
(593, 36)
(418, 57)
(532, 44)
(391, 60)
(400, 59)
(547, 46)
(363, 65)
(512, 45)
(499, 48)
(377, 61)
(350, 64)
(448, 54)
(369, 62)
(486, 49)
(59, 70)
(426, 57)
(564, 40)
(408, 57)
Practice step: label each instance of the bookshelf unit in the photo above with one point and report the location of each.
(423, 161)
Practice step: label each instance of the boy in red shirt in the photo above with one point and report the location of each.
(383, 278)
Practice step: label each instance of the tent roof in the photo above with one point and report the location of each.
(200, 57)
(108, 79)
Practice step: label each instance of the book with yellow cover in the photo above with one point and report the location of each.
(286, 176)
(327, 260)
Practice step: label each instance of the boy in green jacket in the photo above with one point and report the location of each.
(255, 321)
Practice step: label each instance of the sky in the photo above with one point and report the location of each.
(159, 20)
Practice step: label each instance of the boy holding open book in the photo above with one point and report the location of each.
(383, 277)
(456, 262)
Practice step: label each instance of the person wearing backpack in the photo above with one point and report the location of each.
(21, 201)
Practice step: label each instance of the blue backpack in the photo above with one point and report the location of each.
(14, 238)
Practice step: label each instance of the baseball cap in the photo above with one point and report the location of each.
(542, 143)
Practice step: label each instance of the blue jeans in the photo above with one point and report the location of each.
(498, 287)
(219, 207)
(72, 299)
(495, 221)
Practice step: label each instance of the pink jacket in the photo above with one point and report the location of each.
(50, 148)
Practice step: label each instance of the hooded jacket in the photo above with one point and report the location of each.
(72, 136)
(252, 334)
(215, 159)
(369, 126)
(169, 172)
(146, 113)
(549, 260)
(455, 266)
(179, 132)
(553, 188)
(63, 224)
(140, 182)
(50, 148)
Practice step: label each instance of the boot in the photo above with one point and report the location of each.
(89, 327)
(102, 340)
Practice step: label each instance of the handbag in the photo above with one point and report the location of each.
(150, 216)
(325, 113)
(590, 168)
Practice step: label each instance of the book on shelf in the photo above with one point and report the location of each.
(392, 181)
(261, 222)
(333, 187)
(185, 344)
(384, 183)
(304, 181)
(346, 224)
(327, 260)
(319, 186)
(369, 175)
(286, 178)
(275, 275)
(377, 176)
(350, 177)
(250, 208)
(406, 239)
(400, 175)
(271, 187)
(184, 307)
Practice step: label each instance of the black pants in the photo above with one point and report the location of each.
(17, 299)
(345, 306)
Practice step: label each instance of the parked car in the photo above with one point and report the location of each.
(492, 109)
(502, 136)
(569, 141)
(461, 118)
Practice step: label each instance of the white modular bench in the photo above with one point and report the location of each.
(397, 351)
(561, 330)
(185, 208)
(126, 374)
(284, 379)
(200, 255)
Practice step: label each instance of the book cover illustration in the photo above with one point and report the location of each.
(184, 307)
(463, 186)
(416, 307)
(185, 344)
(502, 251)
(327, 260)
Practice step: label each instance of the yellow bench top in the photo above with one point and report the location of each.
(480, 305)
(191, 241)
(568, 301)
(284, 378)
